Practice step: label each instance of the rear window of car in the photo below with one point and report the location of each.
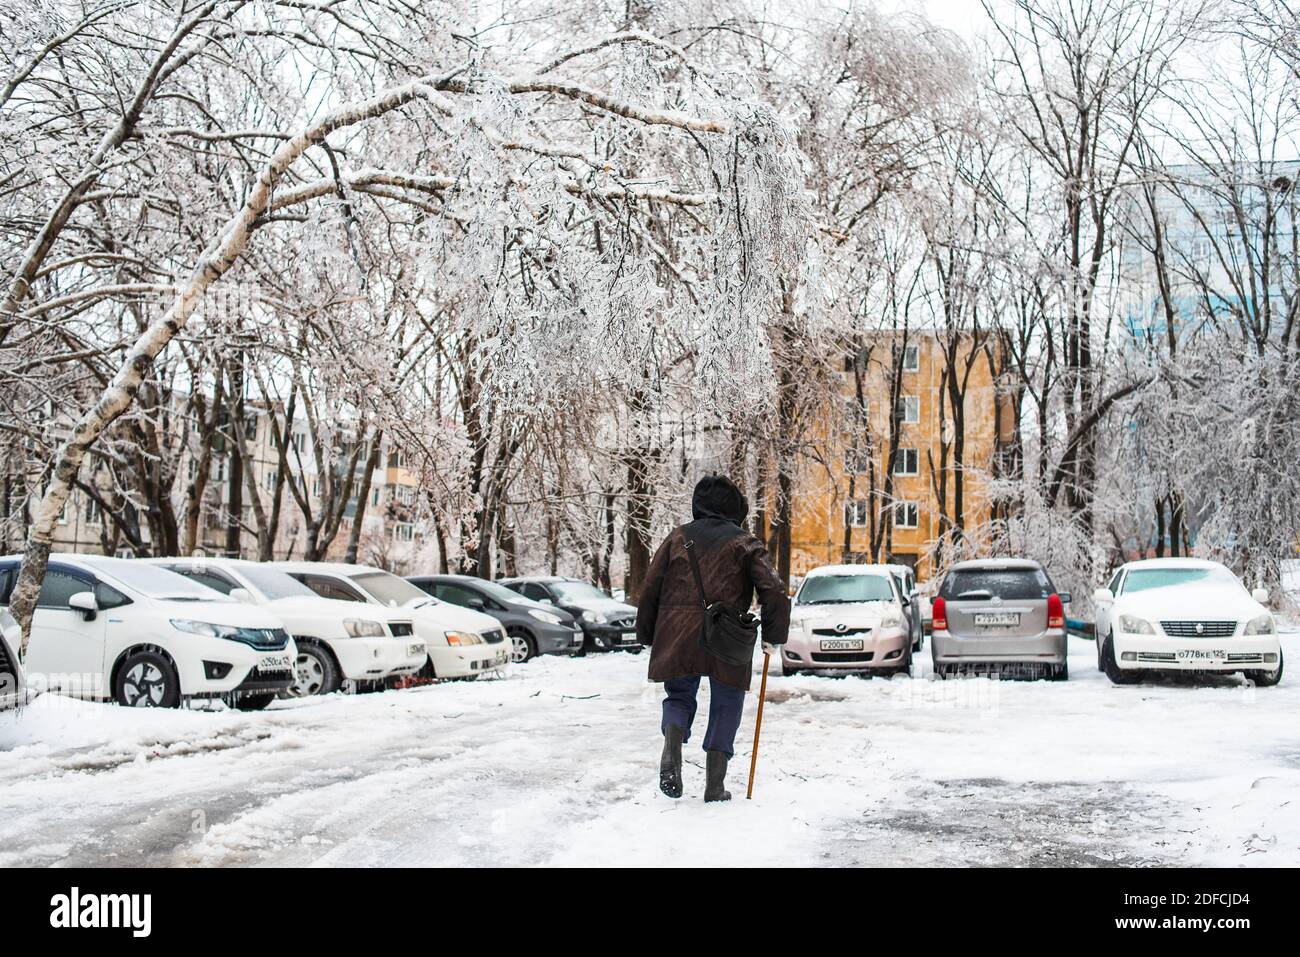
(1017, 584)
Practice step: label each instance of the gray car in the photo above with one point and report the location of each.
(609, 624)
(1002, 615)
(533, 628)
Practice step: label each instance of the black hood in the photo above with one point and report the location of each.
(717, 496)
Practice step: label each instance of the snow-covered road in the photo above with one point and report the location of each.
(556, 765)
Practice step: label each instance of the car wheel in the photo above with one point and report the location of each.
(1267, 679)
(253, 702)
(1114, 672)
(314, 672)
(522, 647)
(146, 679)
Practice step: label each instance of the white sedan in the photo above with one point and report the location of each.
(460, 643)
(337, 641)
(1184, 614)
(114, 628)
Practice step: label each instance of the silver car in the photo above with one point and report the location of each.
(999, 615)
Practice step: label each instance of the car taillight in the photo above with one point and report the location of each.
(938, 616)
(1055, 611)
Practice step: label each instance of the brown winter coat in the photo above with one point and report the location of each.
(734, 566)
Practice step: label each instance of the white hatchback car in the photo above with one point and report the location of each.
(460, 643)
(849, 618)
(1184, 614)
(114, 628)
(336, 640)
(11, 671)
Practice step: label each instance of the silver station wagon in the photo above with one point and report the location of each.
(999, 615)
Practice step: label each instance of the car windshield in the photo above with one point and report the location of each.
(273, 583)
(388, 589)
(153, 581)
(577, 591)
(502, 594)
(1143, 579)
(843, 589)
(976, 584)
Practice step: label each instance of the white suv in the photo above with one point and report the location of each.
(145, 637)
(337, 641)
(461, 643)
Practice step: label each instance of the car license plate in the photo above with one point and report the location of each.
(997, 619)
(1197, 654)
(842, 644)
(273, 663)
(629, 637)
(415, 648)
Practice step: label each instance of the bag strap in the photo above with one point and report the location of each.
(695, 571)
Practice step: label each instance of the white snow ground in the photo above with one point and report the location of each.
(556, 765)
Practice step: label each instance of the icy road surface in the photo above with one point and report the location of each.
(556, 765)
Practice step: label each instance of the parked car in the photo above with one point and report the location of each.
(607, 624)
(336, 642)
(849, 618)
(914, 606)
(1184, 614)
(1000, 614)
(459, 642)
(113, 628)
(11, 671)
(533, 628)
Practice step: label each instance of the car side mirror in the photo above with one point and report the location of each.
(1064, 596)
(84, 602)
(1260, 595)
(907, 600)
(546, 601)
(241, 594)
(477, 604)
(1102, 594)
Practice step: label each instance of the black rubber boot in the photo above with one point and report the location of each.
(670, 764)
(715, 771)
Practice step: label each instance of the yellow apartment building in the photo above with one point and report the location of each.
(849, 506)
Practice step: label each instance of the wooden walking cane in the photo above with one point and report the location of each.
(758, 726)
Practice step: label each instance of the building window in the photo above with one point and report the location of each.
(404, 532)
(909, 409)
(855, 513)
(92, 513)
(857, 461)
(911, 358)
(906, 515)
(907, 462)
(218, 472)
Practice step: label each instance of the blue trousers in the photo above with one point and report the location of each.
(725, 704)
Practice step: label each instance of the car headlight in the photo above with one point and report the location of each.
(207, 629)
(458, 639)
(1263, 625)
(1135, 626)
(891, 621)
(545, 616)
(363, 628)
(595, 617)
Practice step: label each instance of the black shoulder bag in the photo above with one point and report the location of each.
(726, 634)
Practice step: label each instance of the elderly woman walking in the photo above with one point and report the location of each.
(733, 566)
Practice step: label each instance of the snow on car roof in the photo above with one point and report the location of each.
(1172, 563)
(877, 570)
